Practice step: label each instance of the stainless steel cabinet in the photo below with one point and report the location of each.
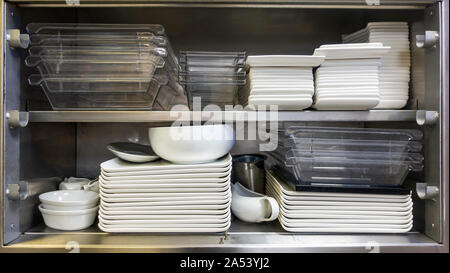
(39, 145)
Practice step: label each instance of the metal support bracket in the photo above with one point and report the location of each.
(17, 192)
(17, 40)
(26, 189)
(429, 39)
(426, 192)
(17, 119)
(424, 117)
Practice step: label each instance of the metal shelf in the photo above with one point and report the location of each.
(386, 4)
(242, 237)
(228, 116)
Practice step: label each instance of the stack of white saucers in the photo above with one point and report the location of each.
(340, 212)
(283, 80)
(161, 196)
(395, 67)
(349, 77)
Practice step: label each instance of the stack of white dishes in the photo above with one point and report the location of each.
(283, 80)
(161, 196)
(395, 67)
(334, 212)
(349, 77)
(69, 209)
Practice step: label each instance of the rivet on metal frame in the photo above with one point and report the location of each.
(17, 119)
(424, 117)
(426, 192)
(17, 40)
(429, 39)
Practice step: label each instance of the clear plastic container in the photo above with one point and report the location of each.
(211, 69)
(102, 41)
(368, 172)
(354, 133)
(212, 93)
(298, 156)
(341, 170)
(238, 78)
(144, 51)
(104, 66)
(97, 40)
(70, 28)
(72, 92)
(88, 65)
(210, 58)
(327, 144)
(166, 98)
(213, 76)
(346, 156)
(215, 97)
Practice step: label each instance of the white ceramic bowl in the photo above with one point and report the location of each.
(68, 208)
(69, 220)
(192, 144)
(76, 199)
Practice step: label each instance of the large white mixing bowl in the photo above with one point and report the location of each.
(192, 144)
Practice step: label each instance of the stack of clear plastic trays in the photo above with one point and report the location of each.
(327, 155)
(212, 76)
(104, 66)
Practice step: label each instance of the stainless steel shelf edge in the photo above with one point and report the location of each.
(335, 4)
(167, 116)
(232, 242)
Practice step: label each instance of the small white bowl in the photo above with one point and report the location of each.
(68, 208)
(69, 198)
(192, 144)
(69, 220)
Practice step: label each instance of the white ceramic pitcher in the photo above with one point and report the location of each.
(252, 207)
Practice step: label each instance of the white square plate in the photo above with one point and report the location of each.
(286, 191)
(345, 103)
(284, 60)
(130, 213)
(352, 52)
(281, 93)
(169, 222)
(117, 165)
(148, 201)
(187, 173)
(391, 104)
(171, 229)
(305, 204)
(160, 206)
(170, 178)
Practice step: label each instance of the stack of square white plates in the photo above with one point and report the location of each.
(283, 80)
(349, 77)
(161, 196)
(395, 67)
(340, 212)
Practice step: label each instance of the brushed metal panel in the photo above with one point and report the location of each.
(445, 124)
(11, 137)
(433, 152)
